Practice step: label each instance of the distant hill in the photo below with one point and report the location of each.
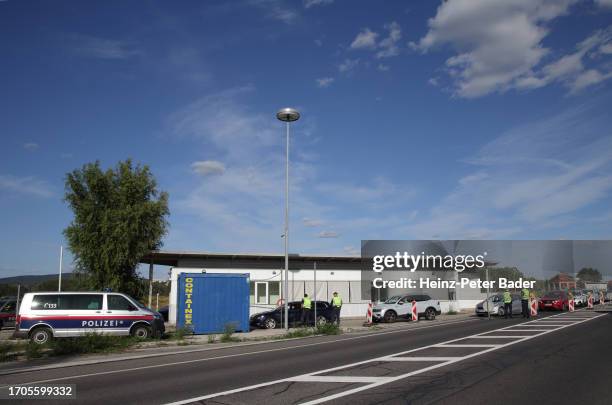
(29, 281)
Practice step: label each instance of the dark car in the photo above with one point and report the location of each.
(8, 309)
(163, 311)
(273, 319)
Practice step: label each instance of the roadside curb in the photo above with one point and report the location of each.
(364, 331)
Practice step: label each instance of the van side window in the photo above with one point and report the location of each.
(119, 303)
(81, 301)
(53, 302)
(45, 302)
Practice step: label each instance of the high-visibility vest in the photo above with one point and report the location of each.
(507, 297)
(336, 301)
(307, 303)
(525, 294)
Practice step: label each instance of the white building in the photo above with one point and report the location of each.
(333, 273)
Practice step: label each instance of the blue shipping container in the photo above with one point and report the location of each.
(208, 302)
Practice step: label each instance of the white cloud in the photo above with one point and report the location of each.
(383, 67)
(604, 3)
(350, 250)
(532, 177)
(26, 185)
(497, 42)
(570, 69)
(348, 65)
(325, 82)
(589, 78)
(103, 48)
(226, 123)
(388, 46)
(30, 146)
(208, 167)
(433, 81)
(366, 39)
(313, 3)
(312, 223)
(276, 10)
(328, 234)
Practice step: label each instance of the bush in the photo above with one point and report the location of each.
(9, 351)
(211, 338)
(180, 333)
(297, 333)
(452, 312)
(91, 343)
(230, 328)
(328, 329)
(34, 350)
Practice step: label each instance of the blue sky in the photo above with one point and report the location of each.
(466, 119)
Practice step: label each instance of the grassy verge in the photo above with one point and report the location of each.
(328, 329)
(90, 343)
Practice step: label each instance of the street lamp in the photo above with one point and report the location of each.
(287, 115)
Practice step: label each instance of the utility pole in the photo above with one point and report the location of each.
(315, 292)
(59, 283)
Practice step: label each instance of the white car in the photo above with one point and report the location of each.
(580, 299)
(400, 306)
(496, 305)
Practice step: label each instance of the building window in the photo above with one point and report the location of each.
(264, 292)
(261, 292)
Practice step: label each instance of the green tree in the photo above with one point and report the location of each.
(589, 274)
(119, 216)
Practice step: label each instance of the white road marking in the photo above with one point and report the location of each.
(395, 358)
(335, 379)
(499, 336)
(526, 330)
(464, 345)
(369, 334)
(385, 380)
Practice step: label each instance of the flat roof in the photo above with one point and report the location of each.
(171, 258)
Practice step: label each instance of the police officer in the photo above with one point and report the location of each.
(306, 310)
(525, 302)
(336, 304)
(508, 304)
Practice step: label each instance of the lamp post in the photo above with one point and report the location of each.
(287, 115)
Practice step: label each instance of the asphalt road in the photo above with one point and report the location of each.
(559, 359)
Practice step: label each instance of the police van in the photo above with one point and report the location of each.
(46, 315)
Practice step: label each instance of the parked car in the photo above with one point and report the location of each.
(163, 311)
(274, 318)
(400, 306)
(8, 312)
(580, 298)
(557, 300)
(496, 305)
(47, 315)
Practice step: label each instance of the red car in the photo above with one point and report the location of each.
(7, 312)
(557, 300)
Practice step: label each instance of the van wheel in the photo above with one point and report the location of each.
(40, 336)
(321, 320)
(141, 332)
(390, 316)
(430, 314)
